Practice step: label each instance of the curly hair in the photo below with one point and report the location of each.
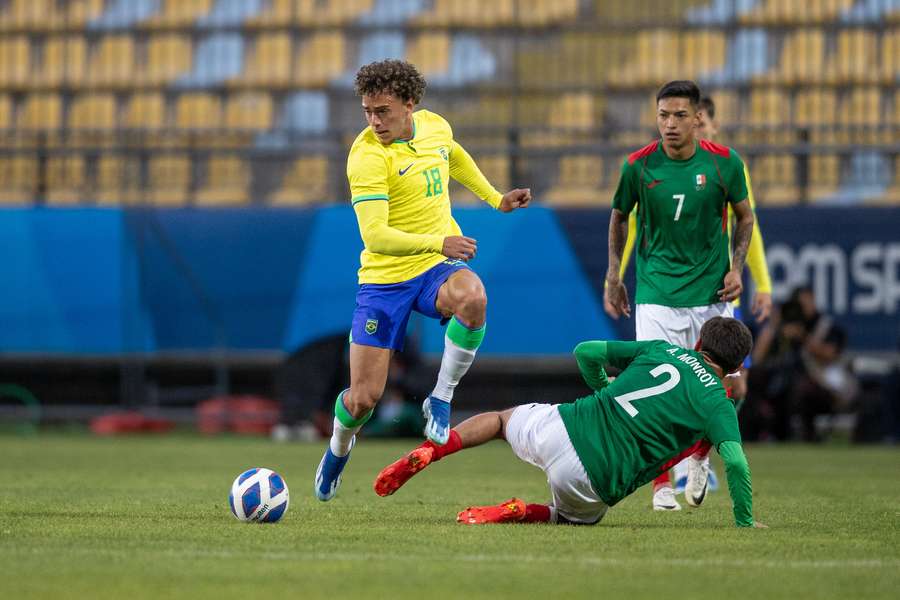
(396, 77)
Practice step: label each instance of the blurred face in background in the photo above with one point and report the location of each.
(707, 127)
(389, 117)
(676, 120)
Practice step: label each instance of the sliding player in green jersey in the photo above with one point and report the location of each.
(598, 449)
(415, 256)
(682, 188)
(693, 475)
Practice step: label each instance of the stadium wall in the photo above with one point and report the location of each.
(119, 281)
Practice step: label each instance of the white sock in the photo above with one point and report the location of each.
(342, 438)
(454, 364)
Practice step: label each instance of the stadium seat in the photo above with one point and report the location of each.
(320, 59)
(855, 58)
(430, 52)
(227, 182)
(275, 12)
(747, 57)
(15, 60)
(169, 179)
(269, 61)
(176, 13)
(768, 116)
(91, 119)
(6, 112)
(470, 61)
(118, 180)
(579, 181)
(870, 11)
(217, 58)
(198, 111)
(890, 56)
(18, 179)
(784, 12)
(891, 195)
(495, 167)
(145, 112)
(802, 59)
(65, 178)
(774, 179)
(111, 61)
(79, 12)
(655, 58)
(468, 13)
(230, 13)
(702, 53)
(40, 111)
(31, 15)
(719, 12)
(824, 174)
(331, 12)
(306, 182)
(64, 60)
(860, 115)
(249, 111)
(816, 110)
(168, 57)
(120, 14)
(541, 12)
(392, 12)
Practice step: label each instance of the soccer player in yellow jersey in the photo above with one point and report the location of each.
(692, 473)
(415, 256)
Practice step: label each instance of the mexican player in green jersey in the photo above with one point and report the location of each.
(682, 188)
(599, 449)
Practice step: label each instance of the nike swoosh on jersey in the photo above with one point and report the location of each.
(403, 171)
(654, 183)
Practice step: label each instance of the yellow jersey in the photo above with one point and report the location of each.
(756, 252)
(400, 194)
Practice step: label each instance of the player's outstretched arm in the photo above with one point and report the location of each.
(737, 471)
(381, 238)
(591, 357)
(464, 170)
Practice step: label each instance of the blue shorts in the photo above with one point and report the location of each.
(737, 315)
(382, 310)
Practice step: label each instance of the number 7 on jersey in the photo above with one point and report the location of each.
(625, 400)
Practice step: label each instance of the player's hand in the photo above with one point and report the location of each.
(758, 525)
(514, 199)
(459, 246)
(615, 300)
(762, 306)
(733, 287)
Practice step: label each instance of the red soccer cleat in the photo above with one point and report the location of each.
(393, 476)
(507, 512)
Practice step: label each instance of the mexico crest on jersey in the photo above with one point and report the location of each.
(700, 182)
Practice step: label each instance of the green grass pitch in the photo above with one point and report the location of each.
(82, 517)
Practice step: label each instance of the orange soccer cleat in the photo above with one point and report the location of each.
(393, 476)
(507, 512)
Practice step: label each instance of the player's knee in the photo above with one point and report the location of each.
(472, 306)
(361, 400)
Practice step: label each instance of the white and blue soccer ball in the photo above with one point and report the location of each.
(259, 495)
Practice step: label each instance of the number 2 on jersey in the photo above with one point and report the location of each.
(680, 198)
(625, 400)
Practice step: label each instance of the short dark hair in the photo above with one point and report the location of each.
(680, 89)
(708, 106)
(391, 76)
(727, 341)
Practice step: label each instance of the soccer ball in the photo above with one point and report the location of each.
(259, 495)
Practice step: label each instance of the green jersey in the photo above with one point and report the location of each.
(682, 234)
(665, 400)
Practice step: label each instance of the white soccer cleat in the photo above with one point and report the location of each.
(697, 481)
(664, 499)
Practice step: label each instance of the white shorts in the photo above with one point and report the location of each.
(679, 326)
(538, 436)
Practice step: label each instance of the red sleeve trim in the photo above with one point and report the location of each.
(648, 149)
(715, 148)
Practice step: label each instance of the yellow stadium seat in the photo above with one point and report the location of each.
(331, 12)
(169, 55)
(249, 111)
(430, 52)
(802, 59)
(468, 13)
(574, 110)
(890, 55)
(860, 113)
(892, 194)
(64, 59)
(306, 182)
(495, 167)
(65, 179)
(6, 112)
(855, 58)
(702, 52)
(169, 179)
(769, 113)
(178, 13)
(92, 111)
(813, 107)
(33, 15)
(145, 111)
(198, 111)
(18, 179)
(541, 12)
(278, 12)
(15, 60)
(112, 61)
(655, 58)
(775, 179)
(41, 111)
(579, 182)
(824, 174)
(269, 63)
(780, 12)
(118, 180)
(79, 12)
(320, 60)
(227, 182)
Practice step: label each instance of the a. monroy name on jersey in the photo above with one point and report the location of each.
(705, 377)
